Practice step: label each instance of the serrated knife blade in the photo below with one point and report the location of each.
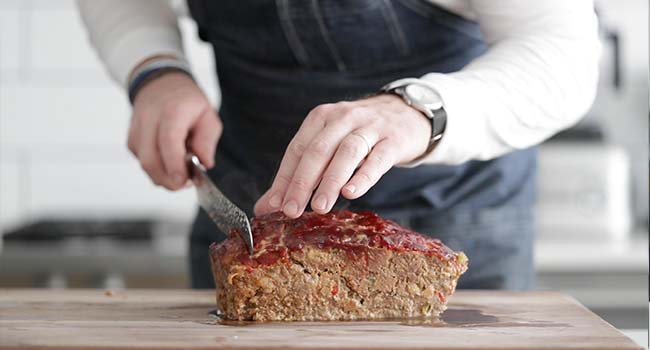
(224, 213)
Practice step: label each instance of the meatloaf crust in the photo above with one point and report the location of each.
(337, 266)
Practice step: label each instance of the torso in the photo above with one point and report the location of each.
(276, 60)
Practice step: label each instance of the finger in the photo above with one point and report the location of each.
(311, 167)
(132, 139)
(172, 133)
(205, 136)
(350, 153)
(377, 163)
(262, 205)
(150, 159)
(273, 199)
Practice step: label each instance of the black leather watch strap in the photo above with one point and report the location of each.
(439, 123)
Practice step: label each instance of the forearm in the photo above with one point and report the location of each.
(125, 33)
(537, 78)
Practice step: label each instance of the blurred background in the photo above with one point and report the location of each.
(77, 211)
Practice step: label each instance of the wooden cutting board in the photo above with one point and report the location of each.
(165, 319)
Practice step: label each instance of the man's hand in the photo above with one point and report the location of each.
(170, 114)
(372, 134)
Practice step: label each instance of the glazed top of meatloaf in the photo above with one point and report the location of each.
(276, 235)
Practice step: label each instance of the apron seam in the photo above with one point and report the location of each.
(290, 33)
(431, 11)
(326, 37)
(394, 27)
(416, 7)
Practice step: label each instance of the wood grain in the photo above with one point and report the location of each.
(179, 319)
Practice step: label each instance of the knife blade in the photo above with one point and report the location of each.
(224, 213)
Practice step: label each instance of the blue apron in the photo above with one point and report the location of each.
(276, 60)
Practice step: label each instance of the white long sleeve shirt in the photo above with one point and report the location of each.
(538, 76)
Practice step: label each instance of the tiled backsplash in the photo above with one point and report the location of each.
(63, 123)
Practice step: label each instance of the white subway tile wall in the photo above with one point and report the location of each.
(38, 115)
(10, 47)
(63, 123)
(100, 183)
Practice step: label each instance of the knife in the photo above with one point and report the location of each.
(224, 213)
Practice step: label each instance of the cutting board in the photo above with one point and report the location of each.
(165, 319)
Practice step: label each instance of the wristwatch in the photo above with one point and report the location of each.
(425, 99)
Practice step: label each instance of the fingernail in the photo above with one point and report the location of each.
(291, 208)
(177, 179)
(320, 202)
(275, 200)
(350, 189)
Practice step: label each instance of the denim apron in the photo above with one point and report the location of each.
(278, 59)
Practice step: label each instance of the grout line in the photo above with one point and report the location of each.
(25, 49)
(23, 201)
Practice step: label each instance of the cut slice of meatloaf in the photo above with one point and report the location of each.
(337, 266)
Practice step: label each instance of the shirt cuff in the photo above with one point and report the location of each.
(138, 45)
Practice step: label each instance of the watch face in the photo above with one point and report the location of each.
(424, 96)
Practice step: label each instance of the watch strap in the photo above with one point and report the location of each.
(439, 123)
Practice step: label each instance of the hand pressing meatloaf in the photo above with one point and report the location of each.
(337, 266)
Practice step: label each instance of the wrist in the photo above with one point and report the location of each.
(421, 129)
(426, 100)
(163, 87)
(145, 62)
(152, 69)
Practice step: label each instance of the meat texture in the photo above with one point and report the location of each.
(338, 266)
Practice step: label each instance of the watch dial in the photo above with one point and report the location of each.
(424, 96)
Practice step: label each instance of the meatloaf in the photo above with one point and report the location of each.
(338, 266)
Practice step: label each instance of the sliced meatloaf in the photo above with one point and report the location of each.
(338, 266)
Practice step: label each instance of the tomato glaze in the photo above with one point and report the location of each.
(276, 235)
